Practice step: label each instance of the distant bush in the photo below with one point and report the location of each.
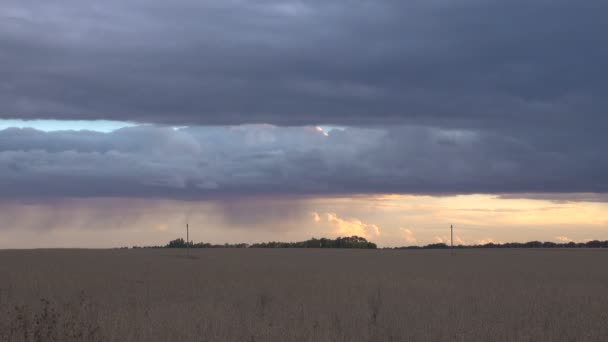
(177, 243)
(436, 246)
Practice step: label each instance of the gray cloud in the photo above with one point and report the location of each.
(463, 96)
(560, 197)
(229, 162)
(471, 64)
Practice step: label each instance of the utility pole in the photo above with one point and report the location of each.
(187, 240)
(452, 236)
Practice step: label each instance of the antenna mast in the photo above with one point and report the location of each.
(452, 236)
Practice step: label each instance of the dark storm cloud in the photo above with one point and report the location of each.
(476, 64)
(235, 162)
(466, 96)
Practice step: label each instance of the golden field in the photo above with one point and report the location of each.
(304, 295)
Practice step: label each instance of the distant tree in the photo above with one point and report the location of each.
(177, 243)
(436, 246)
(533, 244)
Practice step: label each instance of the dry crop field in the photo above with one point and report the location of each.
(304, 295)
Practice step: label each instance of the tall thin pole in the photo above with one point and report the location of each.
(452, 236)
(187, 240)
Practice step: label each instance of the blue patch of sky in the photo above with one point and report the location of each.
(90, 125)
(63, 125)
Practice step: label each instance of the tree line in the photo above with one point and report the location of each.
(529, 244)
(340, 242)
(362, 243)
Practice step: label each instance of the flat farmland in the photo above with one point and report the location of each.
(304, 295)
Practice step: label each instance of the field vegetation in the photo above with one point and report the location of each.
(304, 295)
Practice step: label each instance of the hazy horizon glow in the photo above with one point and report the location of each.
(393, 220)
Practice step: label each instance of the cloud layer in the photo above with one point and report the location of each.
(470, 64)
(224, 162)
(440, 96)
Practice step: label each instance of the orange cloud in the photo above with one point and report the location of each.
(408, 235)
(315, 216)
(563, 239)
(161, 227)
(353, 227)
(446, 239)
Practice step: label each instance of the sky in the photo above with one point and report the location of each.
(282, 120)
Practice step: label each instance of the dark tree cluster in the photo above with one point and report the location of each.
(529, 244)
(360, 242)
(341, 242)
(181, 243)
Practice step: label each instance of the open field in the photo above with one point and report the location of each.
(304, 295)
